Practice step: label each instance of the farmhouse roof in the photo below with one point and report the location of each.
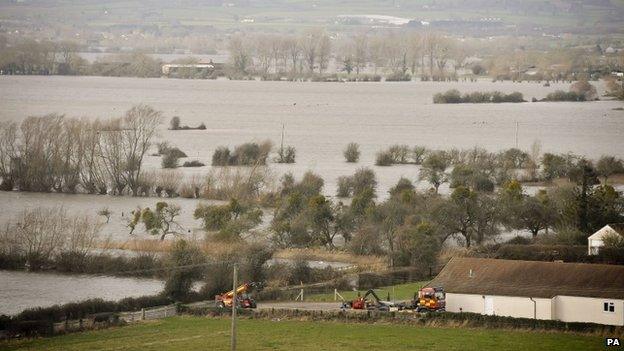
(484, 276)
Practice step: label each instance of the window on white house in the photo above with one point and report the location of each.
(608, 307)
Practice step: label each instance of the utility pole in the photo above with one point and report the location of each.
(282, 142)
(516, 134)
(234, 300)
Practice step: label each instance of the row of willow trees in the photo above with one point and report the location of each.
(54, 153)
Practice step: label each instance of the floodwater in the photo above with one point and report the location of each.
(321, 118)
(22, 290)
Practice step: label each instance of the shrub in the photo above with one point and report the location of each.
(221, 156)
(286, 155)
(450, 97)
(363, 179)
(585, 89)
(561, 95)
(175, 152)
(180, 279)
(300, 271)
(169, 160)
(352, 152)
(453, 97)
(174, 123)
(247, 154)
(345, 187)
(162, 147)
(418, 154)
(193, 163)
(384, 158)
(400, 153)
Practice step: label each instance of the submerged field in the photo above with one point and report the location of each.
(194, 333)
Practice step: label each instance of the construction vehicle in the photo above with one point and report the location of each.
(429, 300)
(243, 296)
(364, 303)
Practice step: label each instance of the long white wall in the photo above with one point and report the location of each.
(563, 308)
(511, 306)
(587, 309)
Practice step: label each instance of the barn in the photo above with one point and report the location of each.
(568, 292)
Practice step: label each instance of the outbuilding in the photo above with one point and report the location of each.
(568, 292)
(595, 241)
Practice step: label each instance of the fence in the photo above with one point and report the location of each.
(108, 319)
(149, 314)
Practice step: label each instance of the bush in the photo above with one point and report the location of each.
(221, 156)
(169, 160)
(247, 154)
(180, 280)
(286, 155)
(561, 95)
(363, 179)
(345, 187)
(400, 154)
(450, 97)
(193, 163)
(174, 123)
(398, 77)
(384, 158)
(352, 152)
(453, 97)
(175, 152)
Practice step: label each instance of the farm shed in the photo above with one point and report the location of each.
(569, 292)
(595, 241)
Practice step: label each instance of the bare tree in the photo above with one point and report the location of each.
(139, 128)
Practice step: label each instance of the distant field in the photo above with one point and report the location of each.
(283, 14)
(397, 292)
(196, 333)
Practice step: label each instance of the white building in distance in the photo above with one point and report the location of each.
(595, 241)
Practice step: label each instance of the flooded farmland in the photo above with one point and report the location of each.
(319, 120)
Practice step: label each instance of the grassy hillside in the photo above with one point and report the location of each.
(195, 333)
(283, 14)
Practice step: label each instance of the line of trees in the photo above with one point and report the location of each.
(317, 54)
(55, 153)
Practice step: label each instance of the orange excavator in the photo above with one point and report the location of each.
(243, 297)
(364, 303)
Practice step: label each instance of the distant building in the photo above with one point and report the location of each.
(595, 241)
(182, 69)
(568, 292)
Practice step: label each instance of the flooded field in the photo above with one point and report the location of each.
(21, 290)
(321, 118)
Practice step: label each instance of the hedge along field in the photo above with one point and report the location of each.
(194, 333)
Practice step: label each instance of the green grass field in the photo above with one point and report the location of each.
(400, 292)
(197, 333)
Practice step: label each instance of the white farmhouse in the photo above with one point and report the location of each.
(595, 241)
(568, 292)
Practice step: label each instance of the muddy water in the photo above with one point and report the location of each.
(21, 290)
(321, 118)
